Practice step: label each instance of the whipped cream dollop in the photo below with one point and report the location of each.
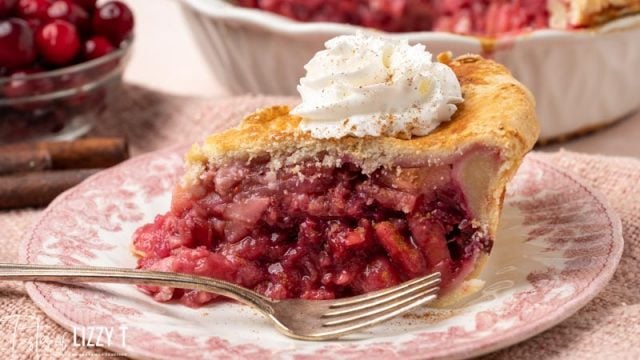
(363, 85)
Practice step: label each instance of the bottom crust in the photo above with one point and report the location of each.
(471, 285)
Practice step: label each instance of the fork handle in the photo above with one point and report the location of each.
(56, 273)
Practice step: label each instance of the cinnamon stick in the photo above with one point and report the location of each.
(38, 188)
(24, 160)
(79, 154)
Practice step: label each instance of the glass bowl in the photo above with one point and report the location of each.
(60, 104)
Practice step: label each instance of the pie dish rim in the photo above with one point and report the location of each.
(223, 9)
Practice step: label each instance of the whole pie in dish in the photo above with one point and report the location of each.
(271, 208)
(477, 17)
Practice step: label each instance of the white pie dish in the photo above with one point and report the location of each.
(582, 80)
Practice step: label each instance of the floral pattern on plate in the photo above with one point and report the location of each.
(557, 247)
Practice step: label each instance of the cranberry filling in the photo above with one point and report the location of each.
(478, 17)
(313, 232)
(492, 17)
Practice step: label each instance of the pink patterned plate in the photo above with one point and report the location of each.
(558, 245)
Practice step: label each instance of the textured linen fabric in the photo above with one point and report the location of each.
(606, 328)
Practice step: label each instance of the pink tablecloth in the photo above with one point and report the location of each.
(607, 328)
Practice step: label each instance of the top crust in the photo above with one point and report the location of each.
(586, 13)
(497, 112)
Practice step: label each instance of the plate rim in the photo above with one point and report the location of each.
(463, 351)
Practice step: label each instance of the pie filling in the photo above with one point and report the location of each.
(321, 232)
(473, 17)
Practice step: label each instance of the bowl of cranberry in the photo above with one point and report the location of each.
(60, 61)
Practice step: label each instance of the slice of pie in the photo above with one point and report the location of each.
(267, 206)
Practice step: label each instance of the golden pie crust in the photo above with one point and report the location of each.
(497, 111)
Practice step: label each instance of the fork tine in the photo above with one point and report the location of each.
(384, 292)
(334, 332)
(381, 300)
(381, 309)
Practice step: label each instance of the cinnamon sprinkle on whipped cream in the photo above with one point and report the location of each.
(363, 85)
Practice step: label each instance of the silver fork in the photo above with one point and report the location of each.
(299, 319)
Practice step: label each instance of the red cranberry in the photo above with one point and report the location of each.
(17, 48)
(58, 42)
(34, 24)
(68, 11)
(6, 7)
(96, 47)
(18, 87)
(28, 9)
(114, 20)
(73, 81)
(37, 86)
(26, 71)
(88, 5)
